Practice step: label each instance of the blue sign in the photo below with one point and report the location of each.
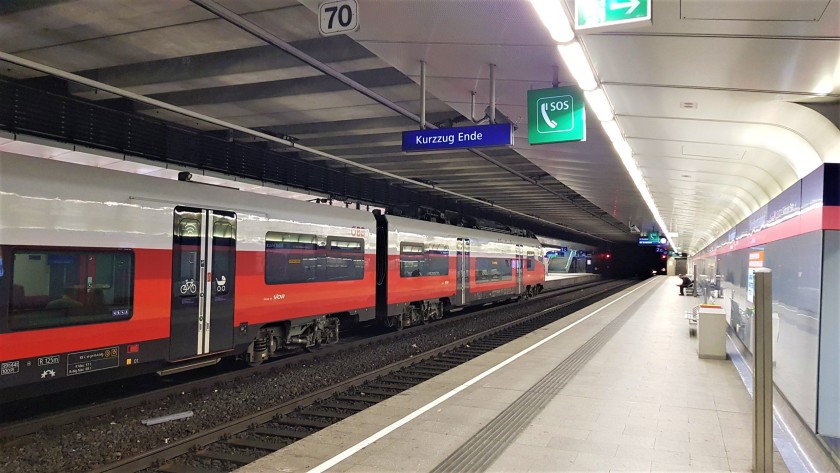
(458, 138)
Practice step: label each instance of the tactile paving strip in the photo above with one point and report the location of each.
(483, 448)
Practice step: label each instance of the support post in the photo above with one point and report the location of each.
(493, 94)
(422, 95)
(472, 108)
(763, 372)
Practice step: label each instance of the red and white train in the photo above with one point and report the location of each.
(106, 274)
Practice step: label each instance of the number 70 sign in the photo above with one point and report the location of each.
(338, 16)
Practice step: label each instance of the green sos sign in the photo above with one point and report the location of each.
(556, 115)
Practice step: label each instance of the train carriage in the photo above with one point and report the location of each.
(433, 268)
(106, 274)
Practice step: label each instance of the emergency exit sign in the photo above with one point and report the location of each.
(556, 115)
(598, 13)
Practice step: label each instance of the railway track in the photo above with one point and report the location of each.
(211, 441)
(244, 440)
(156, 390)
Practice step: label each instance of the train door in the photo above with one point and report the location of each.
(463, 263)
(203, 262)
(520, 269)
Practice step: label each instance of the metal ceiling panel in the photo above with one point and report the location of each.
(769, 10)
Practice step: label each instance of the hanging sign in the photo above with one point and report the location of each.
(556, 115)
(458, 138)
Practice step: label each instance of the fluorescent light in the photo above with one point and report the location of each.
(624, 151)
(598, 101)
(554, 18)
(614, 134)
(578, 65)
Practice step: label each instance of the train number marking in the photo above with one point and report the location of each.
(10, 367)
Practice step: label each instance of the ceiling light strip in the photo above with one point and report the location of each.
(554, 17)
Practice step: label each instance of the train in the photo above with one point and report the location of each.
(106, 274)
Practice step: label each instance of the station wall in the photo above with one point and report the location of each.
(795, 236)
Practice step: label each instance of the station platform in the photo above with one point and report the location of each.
(617, 386)
(560, 280)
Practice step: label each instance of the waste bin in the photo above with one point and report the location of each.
(711, 332)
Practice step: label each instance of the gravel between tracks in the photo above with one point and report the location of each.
(95, 442)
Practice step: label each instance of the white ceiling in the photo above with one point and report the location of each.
(741, 66)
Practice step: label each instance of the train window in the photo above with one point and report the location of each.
(530, 261)
(412, 260)
(188, 245)
(293, 258)
(63, 288)
(437, 260)
(224, 255)
(345, 259)
(492, 270)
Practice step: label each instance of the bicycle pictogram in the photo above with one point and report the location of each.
(188, 287)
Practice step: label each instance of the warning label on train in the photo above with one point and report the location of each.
(93, 360)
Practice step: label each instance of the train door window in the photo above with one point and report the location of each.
(412, 260)
(62, 288)
(187, 242)
(530, 261)
(224, 253)
(345, 259)
(492, 270)
(437, 260)
(293, 258)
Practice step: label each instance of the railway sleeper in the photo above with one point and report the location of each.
(323, 413)
(414, 376)
(181, 468)
(350, 406)
(282, 433)
(298, 422)
(403, 385)
(380, 392)
(226, 457)
(255, 444)
(368, 398)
